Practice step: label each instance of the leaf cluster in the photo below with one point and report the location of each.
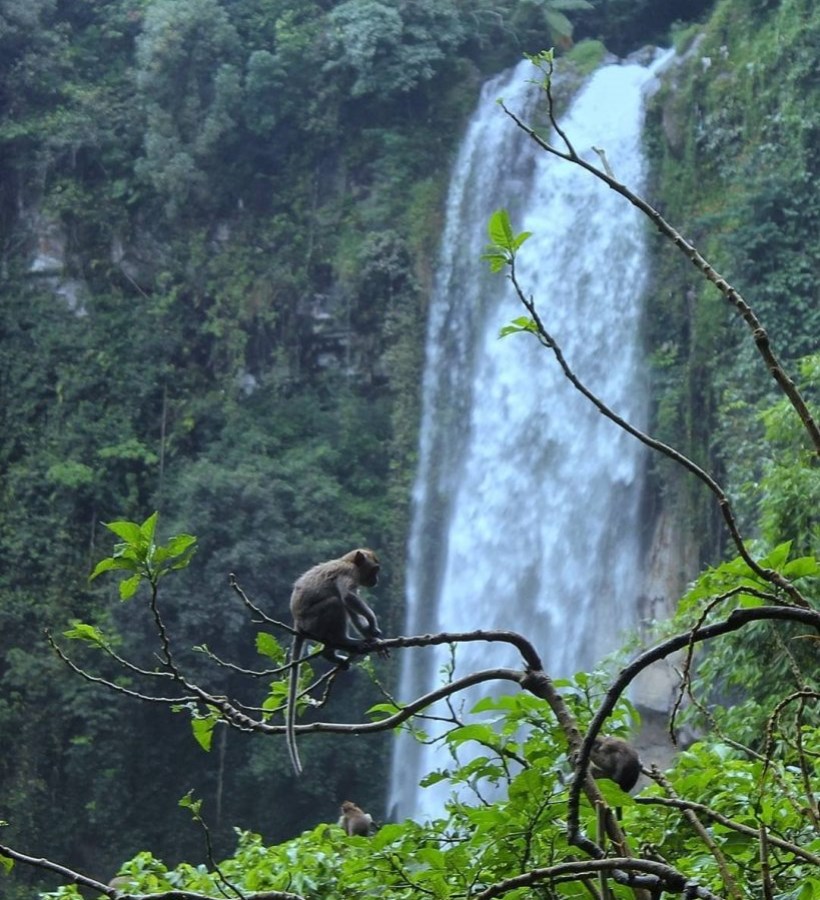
(142, 556)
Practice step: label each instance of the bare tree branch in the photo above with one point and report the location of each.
(71, 877)
(732, 295)
(548, 341)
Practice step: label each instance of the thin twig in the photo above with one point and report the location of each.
(548, 341)
(739, 827)
(691, 817)
(732, 295)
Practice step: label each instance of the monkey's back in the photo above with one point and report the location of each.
(317, 597)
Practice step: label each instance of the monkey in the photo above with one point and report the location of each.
(323, 601)
(354, 820)
(616, 759)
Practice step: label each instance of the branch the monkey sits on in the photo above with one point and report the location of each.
(324, 600)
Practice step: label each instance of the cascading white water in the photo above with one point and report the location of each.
(526, 503)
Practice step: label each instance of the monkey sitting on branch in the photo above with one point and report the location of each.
(617, 760)
(323, 602)
(355, 820)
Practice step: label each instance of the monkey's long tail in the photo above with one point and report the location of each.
(293, 687)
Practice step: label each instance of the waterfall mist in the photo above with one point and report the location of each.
(526, 503)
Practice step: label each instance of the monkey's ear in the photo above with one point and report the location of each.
(360, 558)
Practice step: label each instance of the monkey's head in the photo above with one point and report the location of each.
(348, 808)
(367, 563)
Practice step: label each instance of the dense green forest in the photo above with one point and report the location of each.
(220, 222)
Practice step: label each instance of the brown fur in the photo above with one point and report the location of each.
(355, 820)
(615, 759)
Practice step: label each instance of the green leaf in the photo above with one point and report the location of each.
(496, 259)
(523, 323)
(6, 863)
(84, 632)
(386, 835)
(803, 567)
(148, 527)
(203, 729)
(188, 802)
(177, 546)
(386, 710)
(128, 587)
(109, 563)
(519, 239)
(128, 531)
(778, 556)
(748, 601)
(500, 230)
(484, 734)
(267, 645)
(179, 543)
(613, 795)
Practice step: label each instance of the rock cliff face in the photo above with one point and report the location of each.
(47, 261)
(671, 560)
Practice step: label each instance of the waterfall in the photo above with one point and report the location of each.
(527, 500)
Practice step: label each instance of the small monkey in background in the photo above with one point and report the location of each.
(323, 601)
(616, 759)
(355, 820)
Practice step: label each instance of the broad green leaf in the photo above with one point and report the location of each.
(484, 734)
(128, 587)
(802, 567)
(383, 710)
(527, 784)
(179, 543)
(109, 563)
(747, 601)
(500, 230)
(778, 556)
(177, 546)
(80, 631)
(613, 795)
(558, 22)
(267, 645)
(496, 259)
(149, 527)
(128, 531)
(6, 863)
(386, 835)
(809, 890)
(520, 238)
(183, 562)
(203, 729)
